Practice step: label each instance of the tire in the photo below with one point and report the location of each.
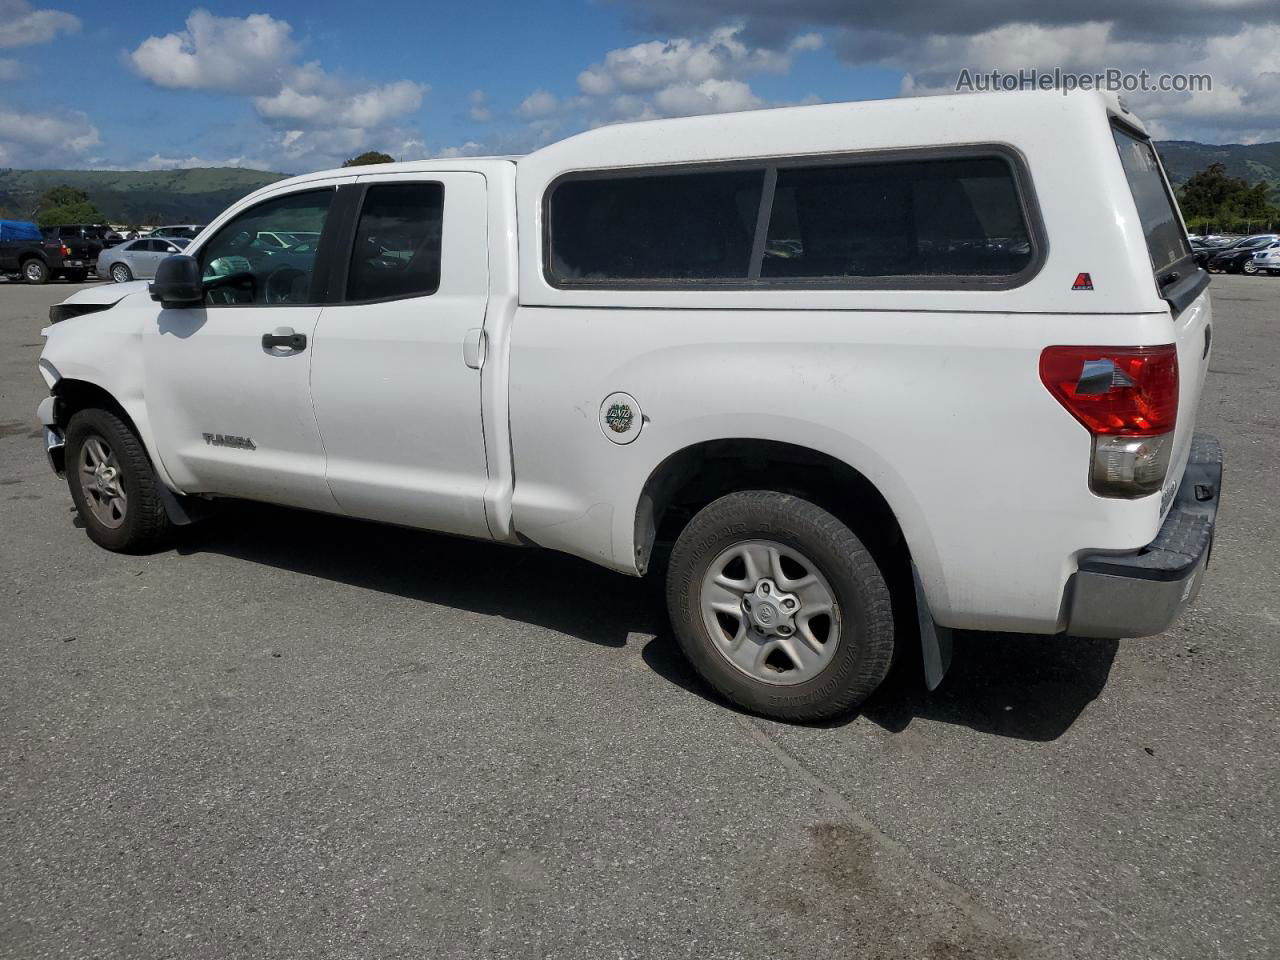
(808, 554)
(75, 276)
(1250, 268)
(123, 512)
(120, 273)
(35, 270)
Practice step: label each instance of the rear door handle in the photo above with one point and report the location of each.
(284, 337)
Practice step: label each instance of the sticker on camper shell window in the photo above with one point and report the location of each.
(620, 417)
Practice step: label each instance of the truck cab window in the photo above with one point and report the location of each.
(240, 267)
(397, 244)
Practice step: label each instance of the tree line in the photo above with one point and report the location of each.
(1213, 202)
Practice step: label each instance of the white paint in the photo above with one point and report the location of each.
(933, 395)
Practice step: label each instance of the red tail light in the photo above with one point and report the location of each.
(1115, 391)
(66, 251)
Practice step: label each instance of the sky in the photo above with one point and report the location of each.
(298, 85)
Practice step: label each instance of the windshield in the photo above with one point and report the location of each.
(1166, 238)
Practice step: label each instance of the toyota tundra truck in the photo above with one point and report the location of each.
(875, 371)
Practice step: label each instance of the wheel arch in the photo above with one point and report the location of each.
(699, 473)
(74, 394)
(695, 475)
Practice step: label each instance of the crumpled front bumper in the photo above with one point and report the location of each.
(1142, 593)
(55, 441)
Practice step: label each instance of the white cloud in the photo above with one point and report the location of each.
(316, 105)
(321, 118)
(709, 96)
(1244, 102)
(159, 161)
(21, 26)
(657, 64)
(247, 55)
(540, 103)
(9, 69)
(479, 107)
(41, 138)
(681, 76)
(469, 149)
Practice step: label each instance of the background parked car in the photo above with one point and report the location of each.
(35, 256)
(138, 259)
(1202, 251)
(186, 231)
(93, 234)
(1250, 266)
(1266, 260)
(1233, 258)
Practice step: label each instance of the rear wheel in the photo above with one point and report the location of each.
(113, 485)
(35, 271)
(121, 273)
(780, 607)
(1250, 267)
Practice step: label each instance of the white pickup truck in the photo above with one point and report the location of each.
(872, 368)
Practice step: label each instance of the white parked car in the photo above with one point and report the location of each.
(1266, 260)
(939, 355)
(136, 259)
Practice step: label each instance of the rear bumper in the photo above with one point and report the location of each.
(1140, 594)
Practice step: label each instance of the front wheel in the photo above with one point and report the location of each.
(779, 606)
(113, 485)
(1250, 268)
(121, 273)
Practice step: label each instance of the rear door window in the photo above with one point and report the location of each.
(1166, 239)
(398, 242)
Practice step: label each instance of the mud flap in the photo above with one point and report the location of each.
(182, 511)
(935, 640)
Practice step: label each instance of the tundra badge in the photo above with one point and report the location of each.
(227, 440)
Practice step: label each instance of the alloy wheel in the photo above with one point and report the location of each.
(770, 612)
(103, 482)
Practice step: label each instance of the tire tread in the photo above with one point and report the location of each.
(854, 567)
(147, 526)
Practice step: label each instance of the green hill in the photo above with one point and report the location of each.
(1251, 162)
(199, 194)
(138, 196)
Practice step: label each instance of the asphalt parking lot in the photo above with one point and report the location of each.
(299, 736)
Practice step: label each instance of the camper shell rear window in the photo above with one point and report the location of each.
(1166, 239)
(957, 218)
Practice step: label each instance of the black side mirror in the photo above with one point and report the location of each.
(177, 282)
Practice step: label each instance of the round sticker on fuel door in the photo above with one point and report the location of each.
(620, 417)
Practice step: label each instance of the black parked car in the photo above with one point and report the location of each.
(1233, 258)
(36, 257)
